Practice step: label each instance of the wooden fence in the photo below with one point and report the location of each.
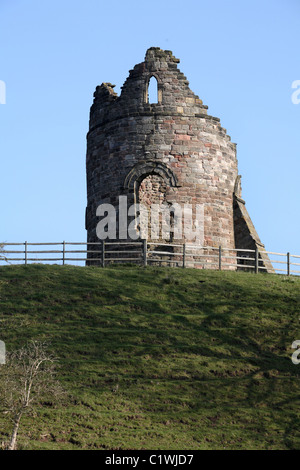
(146, 253)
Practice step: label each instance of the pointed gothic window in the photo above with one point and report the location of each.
(153, 91)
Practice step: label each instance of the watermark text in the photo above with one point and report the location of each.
(296, 93)
(158, 221)
(2, 352)
(296, 354)
(2, 92)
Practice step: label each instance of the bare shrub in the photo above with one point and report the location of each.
(27, 378)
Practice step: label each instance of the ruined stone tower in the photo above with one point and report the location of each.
(171, 151)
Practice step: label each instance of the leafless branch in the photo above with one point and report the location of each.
(28, 377)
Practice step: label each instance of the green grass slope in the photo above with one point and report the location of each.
(159, 358)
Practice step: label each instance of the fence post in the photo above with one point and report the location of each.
(288, 262)
(103, 254)
(64, 252)
(183, 255)
(25, 253)
(256, 260)
(220, 258)
(145, 251)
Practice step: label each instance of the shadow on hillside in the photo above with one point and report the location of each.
(255, 331)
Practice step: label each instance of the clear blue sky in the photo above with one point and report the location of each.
(240, 57)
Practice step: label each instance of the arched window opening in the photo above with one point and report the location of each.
(153, 91)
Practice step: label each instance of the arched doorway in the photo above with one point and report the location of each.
(150, 183)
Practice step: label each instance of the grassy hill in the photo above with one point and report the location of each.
(159, 358)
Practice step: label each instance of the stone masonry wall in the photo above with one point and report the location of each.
(175, 142)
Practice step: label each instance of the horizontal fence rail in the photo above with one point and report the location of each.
(146, 253)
